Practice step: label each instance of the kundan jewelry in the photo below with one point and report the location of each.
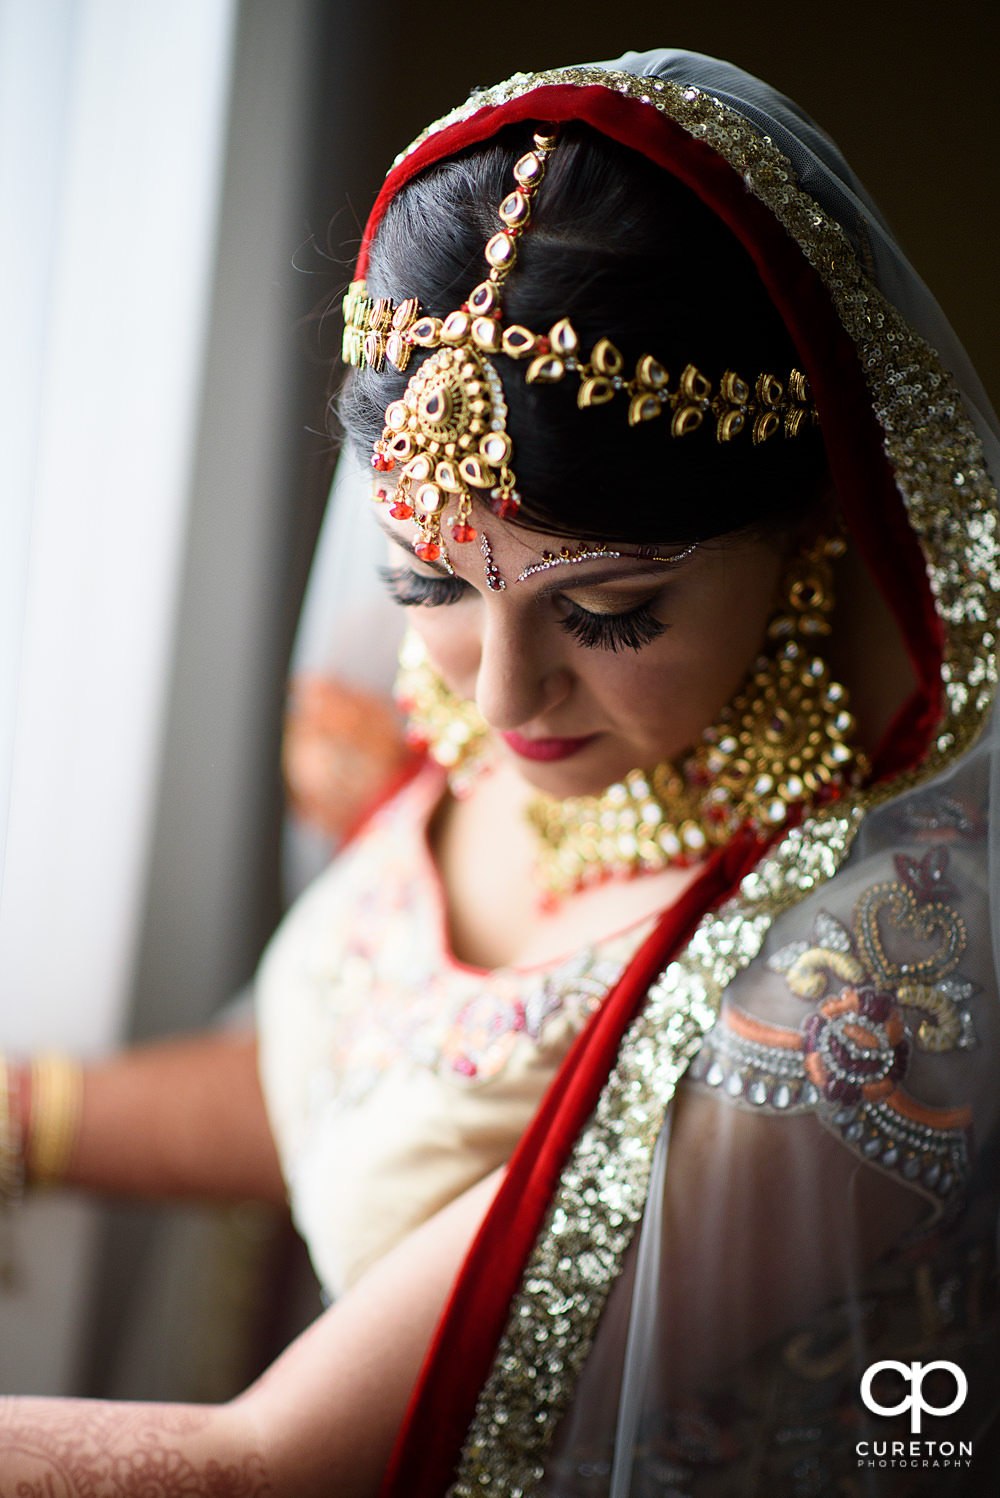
(448, 433)
(785, 740)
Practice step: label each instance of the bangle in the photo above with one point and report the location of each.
(11, 1172)
(54, 1123)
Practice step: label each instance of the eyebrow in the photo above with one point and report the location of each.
(562, 584)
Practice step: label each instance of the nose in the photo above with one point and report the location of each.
(520, 676)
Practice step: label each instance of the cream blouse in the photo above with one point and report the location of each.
(395, 1075)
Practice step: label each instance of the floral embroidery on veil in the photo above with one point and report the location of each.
(877, 994)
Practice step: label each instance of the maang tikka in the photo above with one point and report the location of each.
(786, 740)
(448, 435)
(449, 431)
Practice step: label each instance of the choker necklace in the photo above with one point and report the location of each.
(784, 741)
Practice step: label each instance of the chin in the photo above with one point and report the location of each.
(568, 777)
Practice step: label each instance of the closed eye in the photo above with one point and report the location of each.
(413, 590)
(630, 630)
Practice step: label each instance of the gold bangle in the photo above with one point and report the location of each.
(11, 1143)
(54, 1125)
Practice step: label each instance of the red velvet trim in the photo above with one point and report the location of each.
(464, 1345)
(444, 1400)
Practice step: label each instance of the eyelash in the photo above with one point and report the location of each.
(627, 631)
(412, 589)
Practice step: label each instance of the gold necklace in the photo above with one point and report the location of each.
(785, 740)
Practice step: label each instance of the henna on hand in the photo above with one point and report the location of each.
(71, 1448)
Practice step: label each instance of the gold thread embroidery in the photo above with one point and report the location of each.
(929, 983)
(905, 913)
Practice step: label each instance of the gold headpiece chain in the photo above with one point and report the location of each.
(449, 430)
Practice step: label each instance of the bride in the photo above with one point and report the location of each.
(631, 1072)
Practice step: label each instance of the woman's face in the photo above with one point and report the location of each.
(592, 668)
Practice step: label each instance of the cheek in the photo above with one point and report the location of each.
(724, 640)
(679, 684)
(451, 636)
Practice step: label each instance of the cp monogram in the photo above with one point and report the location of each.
(914, 1373)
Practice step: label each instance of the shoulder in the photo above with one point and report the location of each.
(377, 872)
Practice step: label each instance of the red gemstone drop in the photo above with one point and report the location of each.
(382, 464)
(543, 346)
(506, 506)
(463, 532)
(400, 510)
(427, 551)
(381, 494)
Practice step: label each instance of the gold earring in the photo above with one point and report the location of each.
(807, 591)
(438, 723)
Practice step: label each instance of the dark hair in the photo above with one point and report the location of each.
(625, 251)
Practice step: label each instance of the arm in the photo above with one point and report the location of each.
(178, 1118)
(322, 1420)
(766, 1220)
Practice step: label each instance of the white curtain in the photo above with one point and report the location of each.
(112, 132)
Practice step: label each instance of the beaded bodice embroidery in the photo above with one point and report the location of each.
(396, 993)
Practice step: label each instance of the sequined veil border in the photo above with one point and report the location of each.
(937, 460)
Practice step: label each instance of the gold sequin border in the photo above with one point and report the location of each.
(938, 461)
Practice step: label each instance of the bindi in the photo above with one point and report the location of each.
(494, 581)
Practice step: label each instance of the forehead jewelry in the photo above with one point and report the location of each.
(494, 581)
(448, 432)
(567, 558)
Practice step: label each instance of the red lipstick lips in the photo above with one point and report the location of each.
(545, 749)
